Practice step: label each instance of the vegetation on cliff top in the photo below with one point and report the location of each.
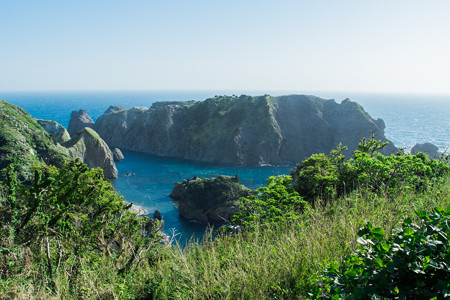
(223, 117)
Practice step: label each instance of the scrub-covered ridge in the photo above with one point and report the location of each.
(23, 140)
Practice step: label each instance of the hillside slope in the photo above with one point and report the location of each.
(23, 140)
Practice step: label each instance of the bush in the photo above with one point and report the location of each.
(275, 202)
(412, 263)
(330, 176)
(67, 216)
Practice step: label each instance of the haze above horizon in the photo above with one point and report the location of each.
(384, 46)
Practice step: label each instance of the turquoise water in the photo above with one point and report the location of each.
(409, 119)
(155, 178)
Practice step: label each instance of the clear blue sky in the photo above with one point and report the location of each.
(382, 45)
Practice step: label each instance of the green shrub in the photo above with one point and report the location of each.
(275, 202)
(413, 263)
(328, 177)
(65, 217)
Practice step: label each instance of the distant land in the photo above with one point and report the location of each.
(239, 130)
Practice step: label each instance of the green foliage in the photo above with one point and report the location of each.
(221, 118)
(321, 176)
(24, 141)
(330, 176)
(209, 192)
(69, 235)
(66, 216)
(273, 203)
(413, 263)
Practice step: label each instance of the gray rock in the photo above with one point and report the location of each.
(429, 149)
(157, 215)
(117, 154)
(55, 129)
(78, 121)
(138, 210)
(114, 108)
(209, 200)
(241, 130)
(93, 151)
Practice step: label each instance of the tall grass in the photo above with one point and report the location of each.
(281, 261)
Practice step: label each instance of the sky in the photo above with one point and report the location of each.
(363, 46)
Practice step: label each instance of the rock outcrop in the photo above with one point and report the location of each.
(93, 151)
(59, 133)
(117, 154)
(24, 141)
(210, 200)
(78, 121)
(241, 130)
(429, 149)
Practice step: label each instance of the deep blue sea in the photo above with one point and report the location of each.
(409, 119)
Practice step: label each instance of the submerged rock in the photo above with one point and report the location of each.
(209, 200)
(243, 130)
(78, 121)
(93, 151)
(55, 129)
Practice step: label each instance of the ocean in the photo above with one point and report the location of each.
(409, 119)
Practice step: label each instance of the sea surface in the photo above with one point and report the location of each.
(409, 119)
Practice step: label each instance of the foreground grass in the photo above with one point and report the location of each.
(283, 260)
(278, 261)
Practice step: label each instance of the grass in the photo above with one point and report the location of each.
(282, 261)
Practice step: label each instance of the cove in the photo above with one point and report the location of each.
(154, 178)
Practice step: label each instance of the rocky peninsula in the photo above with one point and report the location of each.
(245, 130)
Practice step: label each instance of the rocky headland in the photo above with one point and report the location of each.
(243, 130)
(26, 141)
(93, 151)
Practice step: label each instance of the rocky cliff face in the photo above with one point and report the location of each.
(59, 133)
(93, 151)
(241, 130)
(78, 121)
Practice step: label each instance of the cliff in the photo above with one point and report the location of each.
(241, 130)
(78, 121)
(55, 129)
(93, 151)
(25, 142)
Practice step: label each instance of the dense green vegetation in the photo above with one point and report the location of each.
(367, 227)
(68, 220)
(222, 117)
(24, 141)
